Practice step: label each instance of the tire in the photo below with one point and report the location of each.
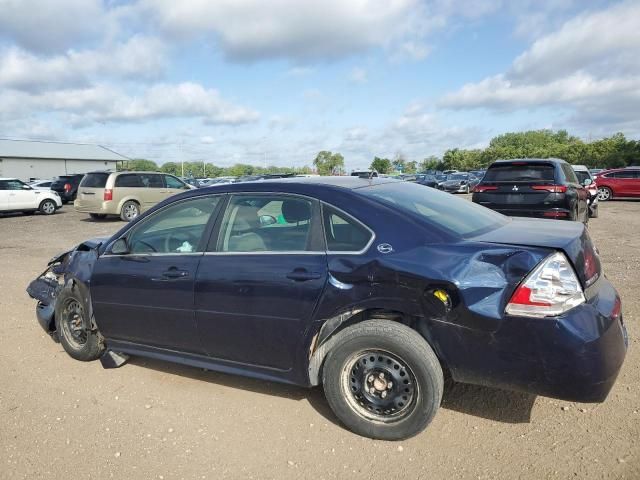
(98, 216)
(130, 211)
(397, 394)
(604, 194)
(48, 207)
(77, 340)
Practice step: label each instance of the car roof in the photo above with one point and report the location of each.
(8, 178)
(580, 168)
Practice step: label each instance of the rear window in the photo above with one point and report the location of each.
(526, 172)
(455, 215)
(94, 180)
(582, 176)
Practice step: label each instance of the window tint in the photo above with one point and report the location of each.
(11, 185)
(151, 180)
(174, 229)
(444, 210)
(129, 180)
(524, 172)
(582, 176)
(266, 223)
(173, 182)
(343, 233)
(94, 180)
(627, 174)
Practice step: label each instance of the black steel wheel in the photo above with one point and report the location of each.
(380, 385)
(382, 379)
(74, 330)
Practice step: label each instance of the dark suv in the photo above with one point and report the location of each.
(547, 188)
(67, 186)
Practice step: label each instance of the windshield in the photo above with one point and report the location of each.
(454, 215)
(440, 178)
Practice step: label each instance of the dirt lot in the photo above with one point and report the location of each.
(60, 418)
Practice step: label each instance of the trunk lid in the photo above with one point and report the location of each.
(570, 237)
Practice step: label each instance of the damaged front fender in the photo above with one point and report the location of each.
(69, 270)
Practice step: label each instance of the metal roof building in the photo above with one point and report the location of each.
(28, 159)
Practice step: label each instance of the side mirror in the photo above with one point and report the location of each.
(266, 220)
(26, 187)
(120, 247)
(587, 182)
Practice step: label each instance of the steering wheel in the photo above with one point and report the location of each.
(181, 237)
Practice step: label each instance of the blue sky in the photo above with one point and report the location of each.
(276, 81)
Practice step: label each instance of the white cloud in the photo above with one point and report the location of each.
(105, 103)
(140, 58)
(588, 67)
(255, 29)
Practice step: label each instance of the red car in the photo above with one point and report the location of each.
(618, 183)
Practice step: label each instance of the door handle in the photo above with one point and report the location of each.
(171, 274)
(301, 275)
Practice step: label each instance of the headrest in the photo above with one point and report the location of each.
(296, 211)
(246, 219)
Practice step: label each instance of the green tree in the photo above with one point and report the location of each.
(328, 163)
(411, 167)
(140, 164)
(381, 165)
(172, 168)
(431, 163)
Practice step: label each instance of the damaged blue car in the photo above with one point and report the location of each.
(373, 288)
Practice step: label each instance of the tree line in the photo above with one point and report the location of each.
(609, 152)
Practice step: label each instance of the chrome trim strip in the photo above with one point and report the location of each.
(269, 252)
(152, 254)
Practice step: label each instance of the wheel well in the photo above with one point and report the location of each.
(326, 340)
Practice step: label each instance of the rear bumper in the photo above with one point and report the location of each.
(104, 208)
(575, 357)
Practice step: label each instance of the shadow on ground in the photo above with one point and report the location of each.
(493, 404)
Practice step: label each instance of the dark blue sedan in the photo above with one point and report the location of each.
(373, 288)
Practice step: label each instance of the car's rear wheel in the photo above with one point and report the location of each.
(98, 216)
(73, 328)
(383, 380)
(48, 207)
(604, 194)
(130, 211)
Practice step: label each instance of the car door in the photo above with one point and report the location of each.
(145, 294)
(21, 196)
(626, 180)
(173, 185)
(634, 187)
(153, 189)
(574, 187)
(258, 285)
(4, 195)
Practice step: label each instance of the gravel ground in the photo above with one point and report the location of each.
(60, 418)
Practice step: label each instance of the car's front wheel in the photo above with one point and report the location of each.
(48, 207)
(73, 327)
(383, 380)
(604, 194)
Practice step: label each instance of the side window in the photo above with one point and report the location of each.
(266, 223)
(343, 233)
(14, 185)
(151, 180)
(173, 182)
(3, 185)
(129, 180)
(569, 174)
(174, 229)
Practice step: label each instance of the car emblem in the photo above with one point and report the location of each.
(515, 188)
(385, 248)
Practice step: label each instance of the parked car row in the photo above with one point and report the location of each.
(17, 196)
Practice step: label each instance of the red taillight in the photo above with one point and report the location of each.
(108, 195)
(554, 214)
(67, 187)
(522, 296)
(550, 188)
(484, 188)
(591, 266)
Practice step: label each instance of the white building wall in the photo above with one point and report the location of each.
(37, 168)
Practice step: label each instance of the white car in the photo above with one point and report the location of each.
(41, 184)
(16, 196)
